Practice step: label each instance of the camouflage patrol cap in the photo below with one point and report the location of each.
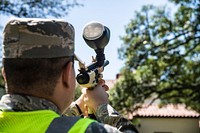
(38, 38)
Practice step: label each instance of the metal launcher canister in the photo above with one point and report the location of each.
(97, 37)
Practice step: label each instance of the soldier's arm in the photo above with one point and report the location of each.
(108, 115)
(105, 128)
(109, 120)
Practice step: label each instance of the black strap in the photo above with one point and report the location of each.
(62, 124)
(79, 110)
(92, 116)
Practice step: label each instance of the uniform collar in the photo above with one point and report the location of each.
(16, 102)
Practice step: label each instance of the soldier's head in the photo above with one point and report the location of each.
(36, 52)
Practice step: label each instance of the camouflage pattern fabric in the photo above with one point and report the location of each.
(25, 103)
(105, 113)
(38, 38)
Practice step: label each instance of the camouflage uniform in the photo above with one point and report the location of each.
(60, 44)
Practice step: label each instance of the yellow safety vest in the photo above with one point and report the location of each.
(35, 122)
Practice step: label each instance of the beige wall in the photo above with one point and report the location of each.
(169, 125)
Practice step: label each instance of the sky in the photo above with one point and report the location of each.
(115, 14)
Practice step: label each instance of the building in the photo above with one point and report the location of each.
(168, 119)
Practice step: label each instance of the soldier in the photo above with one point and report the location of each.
(38, 56)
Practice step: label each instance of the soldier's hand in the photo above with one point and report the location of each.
(97, 96)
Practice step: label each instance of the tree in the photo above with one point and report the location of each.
(162, 57)
(35, 9)
(2, 90)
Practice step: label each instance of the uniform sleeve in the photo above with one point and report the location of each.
(104, 128)
(108, 115)
(72, 110)
(111, 119)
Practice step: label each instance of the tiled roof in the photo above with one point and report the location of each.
(169, 110)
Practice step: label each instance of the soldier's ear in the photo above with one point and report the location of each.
(3, 73)
(67, 74)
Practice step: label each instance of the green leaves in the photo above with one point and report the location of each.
(37, 8)
(2, 84)
(162, 55)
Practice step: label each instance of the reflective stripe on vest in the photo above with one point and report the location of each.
(69, 124)
(81, 125)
